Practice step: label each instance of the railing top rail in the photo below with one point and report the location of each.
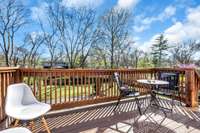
(104, 70)
(8, 69)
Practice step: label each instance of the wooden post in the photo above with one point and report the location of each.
(18, 76)
(192, 95)
(98, 85)
(2, 115)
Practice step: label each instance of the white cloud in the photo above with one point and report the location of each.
(145, 22)
(127, 4)
(24, 2)
(171, 32)
(179, 31)
(136, 38)
(82, 3)
(39, 12)
(140, 28)
(188, 29)
(168, 12)
(146, 46)
(34, 35)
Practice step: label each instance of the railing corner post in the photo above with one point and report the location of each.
(192, 93)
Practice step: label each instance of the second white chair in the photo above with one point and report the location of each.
(16, 130)
(22, 105)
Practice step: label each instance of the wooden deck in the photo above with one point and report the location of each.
(101, 119)
(77, 87)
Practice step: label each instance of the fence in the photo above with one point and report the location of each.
(76, 87)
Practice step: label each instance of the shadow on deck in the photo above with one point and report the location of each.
(101, 119)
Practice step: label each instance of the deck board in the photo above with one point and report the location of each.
(101, 119)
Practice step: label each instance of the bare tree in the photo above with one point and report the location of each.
(51, 39)
(114, 32)
(76, 28)
(20, 55)
(184, 52)
(135, 57)
(12, 18)
(98, 57)
(125, 60)
(145, 60)
(33, 43)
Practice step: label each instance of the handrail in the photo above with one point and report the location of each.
(74, 87)
(102, 70)
(8, 69)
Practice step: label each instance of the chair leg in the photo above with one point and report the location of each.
(117, 103)
(32, 125)
(172, 97)
(45, 125)
(138, 105)
(16, 123)
(179, 96)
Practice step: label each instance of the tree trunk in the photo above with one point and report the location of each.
(7, 59)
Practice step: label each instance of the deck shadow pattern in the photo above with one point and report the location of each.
(102, 119)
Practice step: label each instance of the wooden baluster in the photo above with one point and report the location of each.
(100, 83)
(45, 86)
(91, 86)
(77, 86)
(60, 86)
(34, 83)
(181, 82)
(55, 87)
(85, 81)
(3, 93)
(50, 78)
(1, 96)
(69, 86)
(96, 83)
(40, 86)
(81, 85)
(110, 83)
(73, 91)
(88, 74)
(65, 86)
(106, 84)
(113, 88)
(28, 76)
(7, 83)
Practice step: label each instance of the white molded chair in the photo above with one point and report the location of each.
(22, 105)
(16, 130)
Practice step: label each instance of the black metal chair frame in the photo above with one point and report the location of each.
(172, 90)
(125, 91)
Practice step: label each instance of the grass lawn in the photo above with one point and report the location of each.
(55, 92)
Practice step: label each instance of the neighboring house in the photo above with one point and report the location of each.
(58, 65)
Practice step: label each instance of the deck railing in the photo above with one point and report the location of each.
(76, 87)
(7, 76)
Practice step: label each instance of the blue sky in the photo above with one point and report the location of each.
(177, 19)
